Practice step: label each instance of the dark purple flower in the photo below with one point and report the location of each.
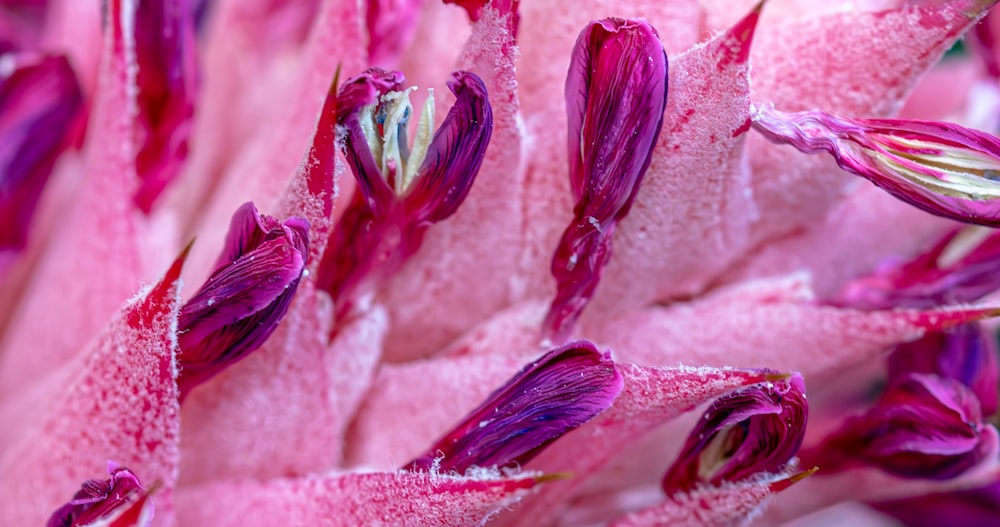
(165, 69)
(942, 168)
(402, 189)
(923, 426)
(963, 267)
(39, 104)
(966, 353)
(241, 303)
(755, 429)
(562, 390)
(104, 500)
(616, 93)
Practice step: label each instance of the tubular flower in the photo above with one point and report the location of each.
(757, 429)
(943, 168)
(423, 325)
(616, 90)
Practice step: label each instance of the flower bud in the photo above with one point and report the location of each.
(105, 500)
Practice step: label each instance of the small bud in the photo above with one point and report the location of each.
(752, 430)
(245, 298)
(562, 390)
(942, 168)
(105, 500)
(616, 93)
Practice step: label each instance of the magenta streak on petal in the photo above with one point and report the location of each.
(930, 280)
(564, 389)
(97, 499)
(242, 302)
(923, 426)
(384, 225)
(942, 168)
(616, 92)
(165, 78)
(966, 353)
(754, 429)
(39, 102)
(391, 26)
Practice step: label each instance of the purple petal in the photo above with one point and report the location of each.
(980, 506)
(616, 91)
(242, 302)
(942, 168)
(559, 392)
(755, 429)
(966, 353)
(39, 103)
(99, 499)
(924, 426)
(454, 155)
(962, 268)
(165, 76)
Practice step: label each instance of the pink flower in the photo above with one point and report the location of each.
(417, 318)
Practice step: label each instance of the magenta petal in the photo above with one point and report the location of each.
(923, 426)
(979, 506)
(616, 92)
(98, 499)
(398, 499)
(942, 168)
(391, 26)
(755, 429)
(39, 103)
(241, 304)
(557, 393)
(165, 73)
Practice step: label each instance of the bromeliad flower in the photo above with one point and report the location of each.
(407, 328)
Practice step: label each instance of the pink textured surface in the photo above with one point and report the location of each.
(398, 499)
(484, 237)
(117, 400)
(283, 410)
(859, 64)
(696, 194)
(761, 324)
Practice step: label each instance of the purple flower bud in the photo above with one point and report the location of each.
(966, 353)
(562, 390)
(102, 499)
(923, 426)
(754, 429)
(942, 168)
(165, 69)
(241, 303)
(39, 104)
(616, 93)
(402, 189)
(963, 267)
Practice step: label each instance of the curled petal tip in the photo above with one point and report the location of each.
(784, 483)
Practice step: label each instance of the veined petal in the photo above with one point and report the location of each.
(562, 390)
(942, 168)
(240, 305)
(455, 154)
(39, 102)
(616, 92)
(752, 430)
(924, 426)
(159, 37)
(102, 500)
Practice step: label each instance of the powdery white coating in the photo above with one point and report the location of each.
(72, 288)
(397, 422)
(762, 323)
(651, 397)
(116, 400)
(869, 221)
(284, 408)
(693, 211)
(395, 499)
(858, 64)
(484, 237)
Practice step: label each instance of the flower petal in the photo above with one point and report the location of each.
(99, 499)
(616, 92)
(556, 394)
